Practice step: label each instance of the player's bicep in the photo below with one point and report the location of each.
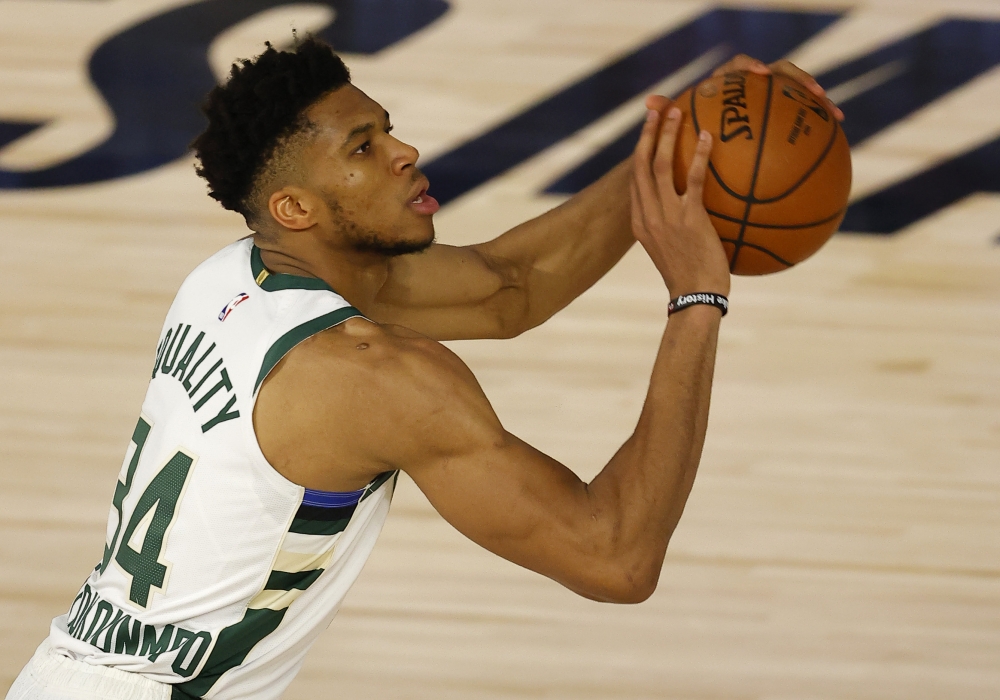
(450, 293)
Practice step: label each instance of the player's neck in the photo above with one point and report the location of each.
(355, 275)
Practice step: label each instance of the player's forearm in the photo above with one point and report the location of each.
(642, 492)
(562, 253)
(674, 421)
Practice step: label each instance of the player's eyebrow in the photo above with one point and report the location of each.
(358, 131)
(364, 129)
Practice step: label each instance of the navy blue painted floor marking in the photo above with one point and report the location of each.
(907, 202)
(766, 34)
(155, 75)
(12, 131)
(935, 62)
(924, 68)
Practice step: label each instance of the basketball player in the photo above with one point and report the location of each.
(298, 371)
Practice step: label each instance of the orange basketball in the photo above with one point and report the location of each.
(780, 170)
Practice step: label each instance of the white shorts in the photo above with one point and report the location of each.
(52, 676)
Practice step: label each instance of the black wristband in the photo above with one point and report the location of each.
(687, 300)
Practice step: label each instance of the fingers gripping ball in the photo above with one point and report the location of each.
(780, 172)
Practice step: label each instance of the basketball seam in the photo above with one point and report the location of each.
(731, 192)
(808, 224)
(756, 171)
(751, 199)
(762, 249)
(735, 195)
(711, 167)
(810, 171)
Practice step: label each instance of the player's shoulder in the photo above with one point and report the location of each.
(360, 350)
(400, 396)
(379, 372)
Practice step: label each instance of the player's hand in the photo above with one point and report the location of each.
(782, 67)
(675, 229)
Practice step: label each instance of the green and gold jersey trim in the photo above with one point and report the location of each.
(276, 281)
(304, 554)
(295, 336)
(231, 648)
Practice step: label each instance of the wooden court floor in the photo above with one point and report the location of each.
(843, 537)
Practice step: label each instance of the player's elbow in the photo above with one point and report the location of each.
(636, 586)
(514, 317)
(625, 584)
(615, 564)
(508, 327)
(624, 592)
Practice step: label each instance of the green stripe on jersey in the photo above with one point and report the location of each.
(295, 336)
(284, 581)
(231, 648)
(301, 526)
(377, 483)
(276, 281)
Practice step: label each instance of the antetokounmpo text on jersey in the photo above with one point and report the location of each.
(112, 630)
(179, 358)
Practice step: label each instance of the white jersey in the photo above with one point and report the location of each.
(218, 573)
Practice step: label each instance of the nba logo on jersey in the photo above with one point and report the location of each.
(237, 300)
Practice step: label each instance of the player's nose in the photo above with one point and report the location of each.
(404, 156)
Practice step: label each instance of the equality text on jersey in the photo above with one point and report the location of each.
(175, 357)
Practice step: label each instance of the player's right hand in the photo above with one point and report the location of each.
(675, 229)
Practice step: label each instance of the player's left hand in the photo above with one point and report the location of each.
(782, 67)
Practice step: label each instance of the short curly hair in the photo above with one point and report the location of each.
(260, 106)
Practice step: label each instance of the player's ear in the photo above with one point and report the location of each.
(293, 208)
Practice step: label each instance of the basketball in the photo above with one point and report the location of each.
(780, 170)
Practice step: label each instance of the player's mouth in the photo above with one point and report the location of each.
(423, 203)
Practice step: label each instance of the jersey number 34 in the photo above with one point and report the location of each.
(152, 514)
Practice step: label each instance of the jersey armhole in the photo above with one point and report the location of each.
(274, 354)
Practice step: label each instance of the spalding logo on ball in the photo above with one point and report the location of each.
(780, 172)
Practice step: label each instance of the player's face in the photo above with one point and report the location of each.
(376, 198)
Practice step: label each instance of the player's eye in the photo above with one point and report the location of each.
(388, 129)
(363, 148)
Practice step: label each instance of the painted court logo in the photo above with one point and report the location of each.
(156, 119)
(228, 308)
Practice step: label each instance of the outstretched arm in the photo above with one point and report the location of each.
(607, 539)
(506, 286)
(361, 399)
(512, 283)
